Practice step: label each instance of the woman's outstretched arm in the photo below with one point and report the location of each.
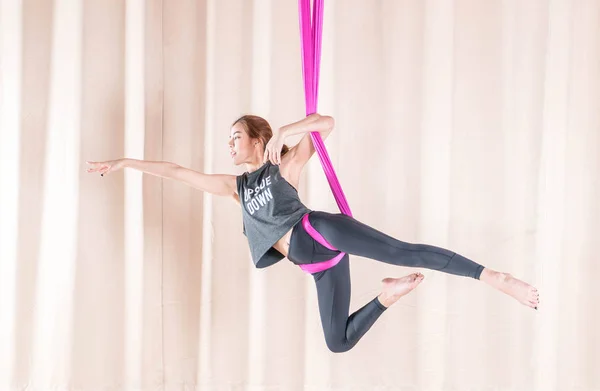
(218, 184)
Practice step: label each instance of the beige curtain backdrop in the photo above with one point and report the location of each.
(471, 125)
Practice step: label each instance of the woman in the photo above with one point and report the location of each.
(277, 225)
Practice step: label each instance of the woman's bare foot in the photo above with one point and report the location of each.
(506, 283)
(394, 288)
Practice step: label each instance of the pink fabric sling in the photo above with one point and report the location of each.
(310, 42)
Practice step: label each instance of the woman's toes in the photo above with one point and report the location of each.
(533, 303)
(533, 297)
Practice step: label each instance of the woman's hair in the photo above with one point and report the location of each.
(258, 127)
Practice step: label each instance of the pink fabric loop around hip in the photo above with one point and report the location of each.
(314, 233)
(320, 266)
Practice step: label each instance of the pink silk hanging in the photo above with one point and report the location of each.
(310, 42)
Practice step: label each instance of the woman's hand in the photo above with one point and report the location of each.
(106, 167)
(274, 147)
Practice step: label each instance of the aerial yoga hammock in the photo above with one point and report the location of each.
(321, 243)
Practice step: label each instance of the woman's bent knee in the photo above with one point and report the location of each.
(337, 345)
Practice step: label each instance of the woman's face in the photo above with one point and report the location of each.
(241, 146)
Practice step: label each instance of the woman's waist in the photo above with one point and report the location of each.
(283, 243)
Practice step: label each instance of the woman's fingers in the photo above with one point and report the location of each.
(98, 167)
(95, 167)
(103, 168)
(273, 154)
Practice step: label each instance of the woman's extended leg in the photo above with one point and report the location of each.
(353, 237)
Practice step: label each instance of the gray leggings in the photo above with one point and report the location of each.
(349, 235)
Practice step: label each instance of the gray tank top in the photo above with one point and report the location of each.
(270, 208)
